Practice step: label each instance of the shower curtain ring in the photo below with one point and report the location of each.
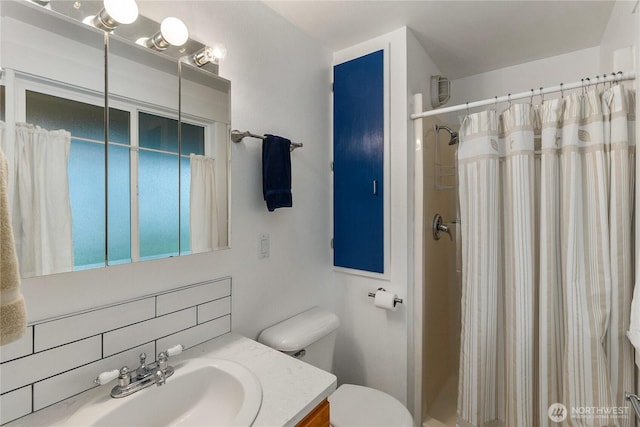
(509, 101)
(561, 91)
(467, 108)
(531, 100)
(495, 103)
(541, 96)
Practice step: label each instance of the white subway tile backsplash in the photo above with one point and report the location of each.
(72, 328)
(20, 372)
(197, 335)
(60, 358)
(173, 301)
(149, 330)
(18, 348)
(70, 383)
(214, 309)
(15, 404)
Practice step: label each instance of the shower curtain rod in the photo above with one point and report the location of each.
(616, 77)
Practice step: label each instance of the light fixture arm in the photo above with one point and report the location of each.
(104, 21)
(157, 42)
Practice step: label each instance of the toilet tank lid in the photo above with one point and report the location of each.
(300, 330)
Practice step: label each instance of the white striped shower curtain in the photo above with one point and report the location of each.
(546, 211)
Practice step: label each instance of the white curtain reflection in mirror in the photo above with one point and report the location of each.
(39, 200)
(204, 209)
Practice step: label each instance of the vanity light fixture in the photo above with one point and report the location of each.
(210, 54)
(172, 32)
(203, 56)
(114, 13)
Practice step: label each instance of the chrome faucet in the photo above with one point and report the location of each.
(143, 377)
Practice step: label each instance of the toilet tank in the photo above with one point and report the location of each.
(308, 336)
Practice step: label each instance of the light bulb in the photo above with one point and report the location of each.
(219, 51)
(114, 13)
(122, 11)
(174, 31)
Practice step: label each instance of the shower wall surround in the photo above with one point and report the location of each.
(60, 358)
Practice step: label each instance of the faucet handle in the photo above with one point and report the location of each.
(106, 377)
(142, 369)
(175, 350)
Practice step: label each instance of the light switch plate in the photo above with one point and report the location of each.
(263, 246)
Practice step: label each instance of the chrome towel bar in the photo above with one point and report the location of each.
(237, 136)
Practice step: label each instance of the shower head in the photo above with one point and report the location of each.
(454, 135)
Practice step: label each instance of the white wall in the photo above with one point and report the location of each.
(280, 85)
(615, 48)
(613, 54)
(545, 72)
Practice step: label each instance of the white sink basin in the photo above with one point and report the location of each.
(211, 392)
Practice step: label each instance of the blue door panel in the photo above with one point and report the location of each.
(358, 144)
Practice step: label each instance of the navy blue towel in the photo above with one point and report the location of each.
(276, 172)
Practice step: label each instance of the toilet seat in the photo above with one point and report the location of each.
(354, 405)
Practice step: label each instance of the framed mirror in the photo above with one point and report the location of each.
(120, 193)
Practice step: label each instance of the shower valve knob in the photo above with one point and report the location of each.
(440, 227)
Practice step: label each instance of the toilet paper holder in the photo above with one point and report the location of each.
(395, 300)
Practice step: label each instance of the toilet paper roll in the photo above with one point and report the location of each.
(386, 300)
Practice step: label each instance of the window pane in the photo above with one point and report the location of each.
(86, 175)
(192, 142)
(81, 119)
(86, 188)
(119, 215)
(192, 139)
(161, 133)
(158, 204)
(158, 133)
(158, 184)
(185, 192)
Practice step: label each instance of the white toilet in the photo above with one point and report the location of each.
(311, 336)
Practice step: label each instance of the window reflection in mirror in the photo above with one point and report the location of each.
(158, 184)
(42, 54)
(205, 101)
(86, 174)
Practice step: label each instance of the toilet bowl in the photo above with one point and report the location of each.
(310, 336)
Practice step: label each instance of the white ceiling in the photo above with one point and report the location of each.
(462, 37)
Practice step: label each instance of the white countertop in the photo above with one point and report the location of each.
(290, 388)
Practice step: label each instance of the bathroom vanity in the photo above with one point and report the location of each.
(294, 393)
(319, 417)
